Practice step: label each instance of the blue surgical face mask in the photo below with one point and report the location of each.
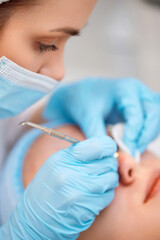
(20, 88)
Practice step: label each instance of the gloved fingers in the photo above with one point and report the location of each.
(102, 166)
(151, 128)
(142, 148)
(101, 200)
(104, 182)
(91, 149)
(96, 168)
(88, 201)
(133, 114)
(66, 160)
(93, 184)
(93, 126)
(107, 198)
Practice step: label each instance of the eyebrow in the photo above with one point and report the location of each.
(67, 30)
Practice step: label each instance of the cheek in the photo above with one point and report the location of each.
(127, 219)
(151, 222)
(20, 51)
(25, 55)
(150, 163)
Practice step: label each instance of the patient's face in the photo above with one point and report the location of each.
(134, 213)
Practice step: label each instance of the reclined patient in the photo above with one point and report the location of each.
(134, 213)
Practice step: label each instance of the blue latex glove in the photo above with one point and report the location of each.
(71, 187)
(93, 102)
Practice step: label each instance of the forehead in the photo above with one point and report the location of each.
(51, 14)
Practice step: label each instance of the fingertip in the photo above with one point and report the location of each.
(114, 180)
(142, 148)
(109, 196)
(109, 146)
(93, 148)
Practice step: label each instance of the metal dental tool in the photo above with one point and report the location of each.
(51, 132)
(55, 133)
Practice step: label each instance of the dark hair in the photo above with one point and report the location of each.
(8, 8)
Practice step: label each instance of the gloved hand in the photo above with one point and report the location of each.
(71, 187)
(93, 102)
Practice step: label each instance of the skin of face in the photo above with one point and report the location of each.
(128, 216)
(31, 28)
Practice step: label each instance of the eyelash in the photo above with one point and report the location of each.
(45, 48)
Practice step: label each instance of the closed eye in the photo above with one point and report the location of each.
(46, 48)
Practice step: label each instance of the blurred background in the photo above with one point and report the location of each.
(121, 39)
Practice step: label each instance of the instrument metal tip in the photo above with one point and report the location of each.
(23, 123)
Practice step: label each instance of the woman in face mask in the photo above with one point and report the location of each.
(32, 39)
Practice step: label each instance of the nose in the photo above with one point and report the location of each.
(53, 68)
(126, 169)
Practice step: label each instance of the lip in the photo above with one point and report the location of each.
(153, 185)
